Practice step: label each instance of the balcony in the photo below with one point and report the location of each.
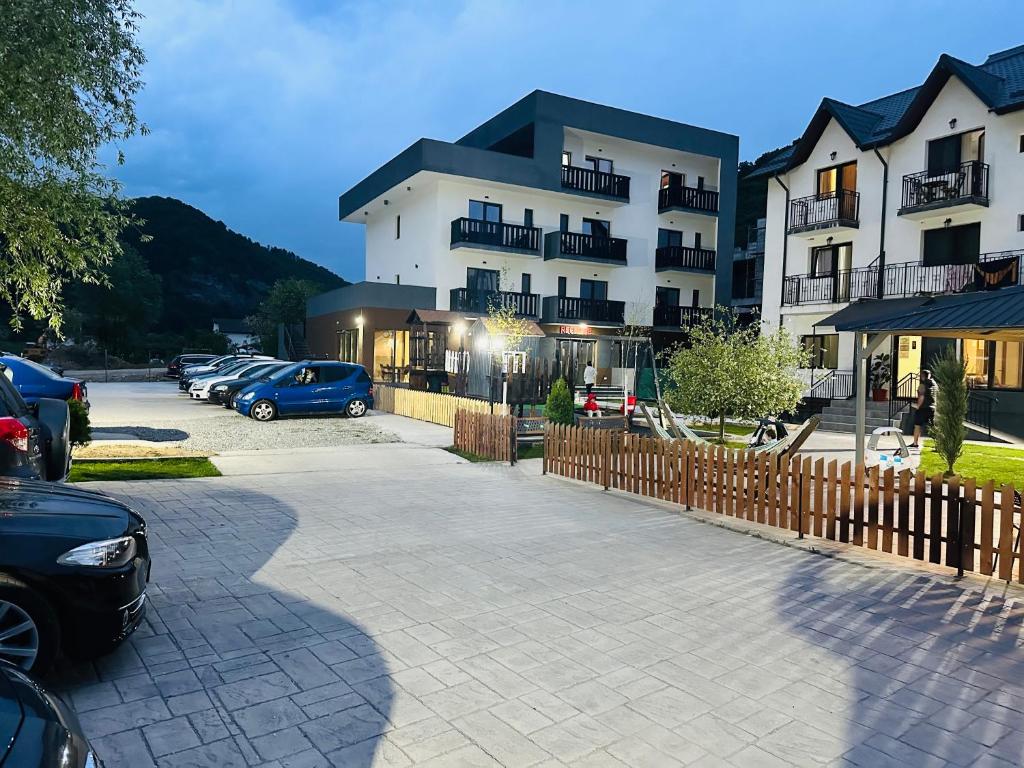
(669, 316)
(495, 236)
(992, 271)
(568, 309)
(964, 187)
(688, 199)
(834, 212)
(681, 258)
(469, 300)
(586, 181)
(577, 247)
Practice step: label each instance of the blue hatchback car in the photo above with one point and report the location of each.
(308, 388)
(35, 381)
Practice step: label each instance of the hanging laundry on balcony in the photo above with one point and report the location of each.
(997, 273)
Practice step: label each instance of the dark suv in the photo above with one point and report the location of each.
(34, 440)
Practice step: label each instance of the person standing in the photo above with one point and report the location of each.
(590, 376)
(925, 411)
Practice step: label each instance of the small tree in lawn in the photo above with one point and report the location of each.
(948, 431)
(558, 408)
(733, 371)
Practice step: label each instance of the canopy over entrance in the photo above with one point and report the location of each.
(989, 315)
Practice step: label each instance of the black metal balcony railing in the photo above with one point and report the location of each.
(574, 245)
(832, 386)
(835, 209)
(691, 198)
(991, 271)
(968, 182)
(576, 310)
(470, 300)
(495, 233)
(596, 182)
(684, 257)
(670, 316)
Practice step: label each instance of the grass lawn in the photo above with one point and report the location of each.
(730, 429)
(532, 451)
(144, 469)
(984, 462)
(474, 457)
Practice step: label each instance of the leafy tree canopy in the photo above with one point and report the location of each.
(69, 71)
(729, 370)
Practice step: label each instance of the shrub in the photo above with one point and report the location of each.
(948, 431)
(559, 408)
(81, 430)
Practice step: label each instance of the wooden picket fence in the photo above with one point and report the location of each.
(428, 406)
(489, 435)
(905, 514)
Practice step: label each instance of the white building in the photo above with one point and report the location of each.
(911, 195)
(584, 217)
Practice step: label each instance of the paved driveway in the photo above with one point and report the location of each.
(407, 608)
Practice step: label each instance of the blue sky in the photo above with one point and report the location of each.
(263, 111)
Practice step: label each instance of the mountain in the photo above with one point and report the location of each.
(752, 193)
(206, 269)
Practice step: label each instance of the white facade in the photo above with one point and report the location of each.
(955, 110)
(409, 228)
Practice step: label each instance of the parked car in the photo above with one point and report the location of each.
(34, 381)
(308, 388)
(223, 391)
(214, 365)
(200, 387)
(74, 565)
(180, 362)
(36, 728)
(34, 439)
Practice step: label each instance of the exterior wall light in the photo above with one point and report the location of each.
(359, 320)
(832, 155)
(952, 124)
(947, 222)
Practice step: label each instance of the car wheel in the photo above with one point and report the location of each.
(356, 408)
(230, 403)
(29, 632)
(263, 410)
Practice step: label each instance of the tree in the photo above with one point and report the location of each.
(285, 303)
(69, 71)
(729, 370)
(948, 431)
(118, 311)
(559, 409)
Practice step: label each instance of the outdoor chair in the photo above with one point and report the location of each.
(792, 442)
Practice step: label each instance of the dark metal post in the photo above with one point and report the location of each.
(960, 534)
(800, 502)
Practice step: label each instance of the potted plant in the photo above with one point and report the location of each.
(881, 374)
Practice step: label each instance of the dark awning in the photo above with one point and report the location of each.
(995, 314)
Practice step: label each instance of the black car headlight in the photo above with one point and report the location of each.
(221, 388)
(110, 553)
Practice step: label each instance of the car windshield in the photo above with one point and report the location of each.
(40, 369)
(221, 360)
(288, 370)
(232, 367)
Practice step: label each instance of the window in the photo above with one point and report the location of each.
(566, 158)
(308, 375)
(597, 228)
(526, 282)
(696, 240)
(561, 285)
(563, 222)
(994, 364)
(700, 182)
(831, 180)
(348, 345)
(594, 289)
(528, 217)
(695, 298)
(744, 276)
(952, 245)
(666, 297)
(335, 372)
(398, 226)
(481, 279)
(1020, 147)
(1020, 222)
(600, 164)
(671, 179)
(823, 350)
(669, 237)
(829, 260)
(945, 155)
(481, 211)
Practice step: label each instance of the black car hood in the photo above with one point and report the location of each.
(36, 505)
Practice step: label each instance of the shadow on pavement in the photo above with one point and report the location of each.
(228, 670)
(154, 434)
(934, 670)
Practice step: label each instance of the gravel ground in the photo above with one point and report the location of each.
(233, 432)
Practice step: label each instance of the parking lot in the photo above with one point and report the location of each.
(394, 605)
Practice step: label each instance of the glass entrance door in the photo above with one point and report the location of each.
(573, 356)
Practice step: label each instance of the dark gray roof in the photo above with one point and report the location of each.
(998, 83)
(986, 313)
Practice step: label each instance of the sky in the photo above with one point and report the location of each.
(262, 112)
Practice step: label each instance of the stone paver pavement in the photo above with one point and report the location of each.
(407, 608)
